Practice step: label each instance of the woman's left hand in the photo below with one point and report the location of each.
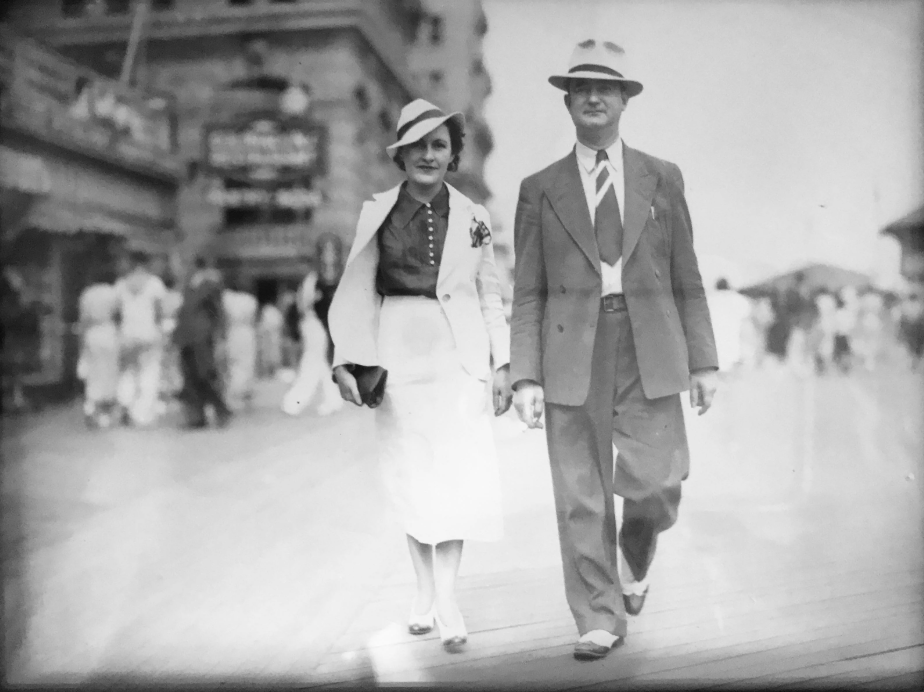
(503, 395)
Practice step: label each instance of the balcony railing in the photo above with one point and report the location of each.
(52, 97)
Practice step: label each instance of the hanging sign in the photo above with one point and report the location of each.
(267, 150)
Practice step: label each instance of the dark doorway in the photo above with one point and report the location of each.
(267, 290)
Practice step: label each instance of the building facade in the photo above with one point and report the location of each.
(284, 107)
(448, 68)
(87, 172)
(447, 62)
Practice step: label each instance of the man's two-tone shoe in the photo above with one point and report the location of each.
(596, 645)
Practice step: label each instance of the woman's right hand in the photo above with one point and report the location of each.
(349, 390)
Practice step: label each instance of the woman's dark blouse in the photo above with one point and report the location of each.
(411, 245)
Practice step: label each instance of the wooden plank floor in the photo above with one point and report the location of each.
(266, 554)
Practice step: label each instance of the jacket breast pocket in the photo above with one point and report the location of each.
(657, 227)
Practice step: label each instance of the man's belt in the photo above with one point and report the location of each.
(613, 302)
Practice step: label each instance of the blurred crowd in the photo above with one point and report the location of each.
(817, 330)
(148, 346)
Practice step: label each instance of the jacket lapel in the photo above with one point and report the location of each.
(567, 198)
(456, 233)
(640, 189)
(371, 218)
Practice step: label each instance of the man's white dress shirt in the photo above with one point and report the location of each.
(587, 164)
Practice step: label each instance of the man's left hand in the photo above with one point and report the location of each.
(703, 385)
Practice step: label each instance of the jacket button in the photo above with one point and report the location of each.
(446, 296)
(560, 328)
(657, 273)
(563, 289)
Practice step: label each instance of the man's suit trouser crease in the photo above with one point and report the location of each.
(652, 461)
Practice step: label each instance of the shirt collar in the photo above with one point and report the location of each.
(406, 207)
(588, 156)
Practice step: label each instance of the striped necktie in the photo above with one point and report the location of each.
(607, 223)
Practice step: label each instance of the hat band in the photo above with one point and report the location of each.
(426, 115)
(589, 67)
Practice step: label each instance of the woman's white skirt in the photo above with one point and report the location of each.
(437, 455)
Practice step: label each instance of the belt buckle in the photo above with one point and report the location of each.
(612, 302)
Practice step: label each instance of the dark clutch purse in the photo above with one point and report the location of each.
(371, 382)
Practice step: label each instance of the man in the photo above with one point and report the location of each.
(609, 324)
(200, 326)
(140, 296)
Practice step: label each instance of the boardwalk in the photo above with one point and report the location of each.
(266, 554)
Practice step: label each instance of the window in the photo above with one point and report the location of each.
(118, 6)
(74, 8)
(162, 5)
(385, 120)
(239, 3)
(436, 30)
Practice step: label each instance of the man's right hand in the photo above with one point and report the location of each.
(529, 400)
(349, 390)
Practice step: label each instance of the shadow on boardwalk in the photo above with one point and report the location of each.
(265, 554)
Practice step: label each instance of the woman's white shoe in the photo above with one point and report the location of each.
(421, 624)
(453, 638)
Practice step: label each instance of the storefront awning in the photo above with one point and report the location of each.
(60, 216)
(23, 172)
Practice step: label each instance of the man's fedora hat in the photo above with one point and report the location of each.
(594, 59)
(419, 118)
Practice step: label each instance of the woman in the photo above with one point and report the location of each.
(240, 346)
(170, 378)
(313, 368)
(420, 297)
(98, 307)
(269, 340)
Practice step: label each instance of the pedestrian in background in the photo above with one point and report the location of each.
(869, 331)
(799, 311)
(313, 379)
(269, 340)
(98, 364)
(200, 330)
(291, 332)
(610, 324)
(845, 326)
(330, 263)
(420, 297)
(140, 297)
(825, 331)
(911, 325)
(171, 381)
(240, 346)
(755, 332)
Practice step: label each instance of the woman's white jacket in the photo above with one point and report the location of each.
(467, 287)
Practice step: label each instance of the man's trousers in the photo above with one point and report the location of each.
(652, 461)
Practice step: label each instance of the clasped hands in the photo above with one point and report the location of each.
(529, 397)
(500, 386)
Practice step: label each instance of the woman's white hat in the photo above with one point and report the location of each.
(419, 118)
(594, 59)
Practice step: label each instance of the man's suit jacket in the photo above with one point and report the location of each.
(467, 288)
(558, 284)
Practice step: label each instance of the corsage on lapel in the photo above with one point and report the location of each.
(479, 231)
